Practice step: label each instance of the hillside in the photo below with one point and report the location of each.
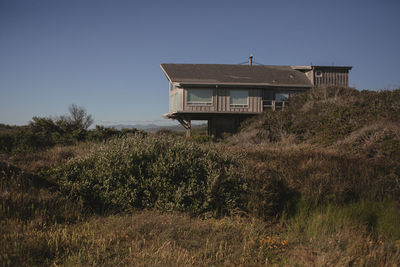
(315, 184)
(332, 117)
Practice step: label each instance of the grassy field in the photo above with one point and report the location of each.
(314, 185)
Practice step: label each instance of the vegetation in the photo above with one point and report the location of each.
(151, 172)
(43, 133)
(315, 184)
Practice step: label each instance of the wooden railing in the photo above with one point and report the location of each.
(274, 105)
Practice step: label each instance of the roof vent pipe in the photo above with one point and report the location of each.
(251, 60)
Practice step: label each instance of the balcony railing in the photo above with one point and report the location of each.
(274, 105)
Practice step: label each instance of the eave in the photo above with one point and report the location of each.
(242, 85)
(333, 67)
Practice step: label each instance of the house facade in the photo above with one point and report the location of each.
(225, 95)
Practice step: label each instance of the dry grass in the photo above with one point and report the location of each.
(144, 239)
(378, 140)
(35, 161)
(347, 246)
(149, 238)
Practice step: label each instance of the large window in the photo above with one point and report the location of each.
(281, 96)
(199, 96)
(239, 98)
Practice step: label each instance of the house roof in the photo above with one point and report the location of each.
(224, 74)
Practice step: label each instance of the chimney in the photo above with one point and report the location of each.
(251, 60)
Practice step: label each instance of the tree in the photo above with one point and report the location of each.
(79, 118)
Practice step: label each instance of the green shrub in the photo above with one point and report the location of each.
(165, 173)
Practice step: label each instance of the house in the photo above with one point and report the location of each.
(225, 95)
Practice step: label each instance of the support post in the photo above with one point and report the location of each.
(187, 124)
(189, 128)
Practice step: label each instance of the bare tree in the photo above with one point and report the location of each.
(79, 117)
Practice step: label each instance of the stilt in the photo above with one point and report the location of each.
(189, 128)
(187, 124)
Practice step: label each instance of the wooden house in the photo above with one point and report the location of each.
(225, 95)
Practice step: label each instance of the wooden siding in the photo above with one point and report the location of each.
(221, 102)
(331, 78)
(171, 106)
(180, 98)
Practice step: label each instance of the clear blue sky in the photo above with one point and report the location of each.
(105, 55)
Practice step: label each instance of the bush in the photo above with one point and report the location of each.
(43, 133)
(165, 173)
(101, 133)
(324, 116)
(341, 111)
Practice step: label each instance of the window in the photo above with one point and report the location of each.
(239, 98)
(281, 97)
(199, 96)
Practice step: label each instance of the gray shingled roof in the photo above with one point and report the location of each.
(224, 74)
